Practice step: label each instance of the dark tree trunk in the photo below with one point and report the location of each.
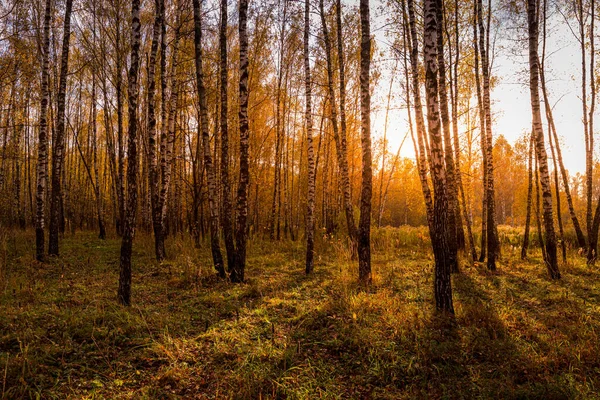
(441, 249)
(529, 199)
(208, 163)
(124, 292)
(42, 162)
(58, 147)
(364, 226)
(227, 208)
(533, 23)
(241, 234)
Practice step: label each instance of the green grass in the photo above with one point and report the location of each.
(284, 335)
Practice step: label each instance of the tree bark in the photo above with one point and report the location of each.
(58, 147)
(412, 43)
(492, 240)
(124, 291)
(340, 141)
(241, 234)
(441, 249)
(529, 199)
(227, 207)
(450, 167)
(166, 145)
(364, 226)
(153, 170)
(42, 161)
(532, 19)
(208, 163)
(310, 200)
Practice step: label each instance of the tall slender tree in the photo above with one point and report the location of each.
(153, 170)
(208, 163)
(364, 226)
(227, 207)
(340, 141)
(58, 146)
(448, 153)
(529, 199)
(412, 43)
(441, 249)
(533, 30)
(241, 229)
(310, 198)
(124, 291)
(490, 215)
(42, 161)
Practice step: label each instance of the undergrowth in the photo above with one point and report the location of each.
(516, 333)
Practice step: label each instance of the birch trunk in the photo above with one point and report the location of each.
(166, 144)
(413, 46)
(208, 163)
(441, 250)
(153, 170)
(364, 226)
(492, 240)
(227, 207)
(340, 141)
(124, 292)
(42, 161)
(58, 147)
(241, 234)
(310, 200)
(532, 19)
(529, 199)
(449, 159)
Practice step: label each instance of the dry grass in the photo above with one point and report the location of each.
(283, 335)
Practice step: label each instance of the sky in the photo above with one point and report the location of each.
(510, 98)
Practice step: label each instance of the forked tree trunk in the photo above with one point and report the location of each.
(42, 161)
(310, 199)
(58, 147)
(364, 226)
(441, 250)
(124, 292)
(532, 19)
(213, 206)
(241, 234)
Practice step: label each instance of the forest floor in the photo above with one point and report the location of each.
(516, 334)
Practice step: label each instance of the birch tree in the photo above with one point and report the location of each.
(533, 31)
(42, 161)
(58, 146)
(310, 200)
(124, 291)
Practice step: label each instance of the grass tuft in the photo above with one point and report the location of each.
(516, 333)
